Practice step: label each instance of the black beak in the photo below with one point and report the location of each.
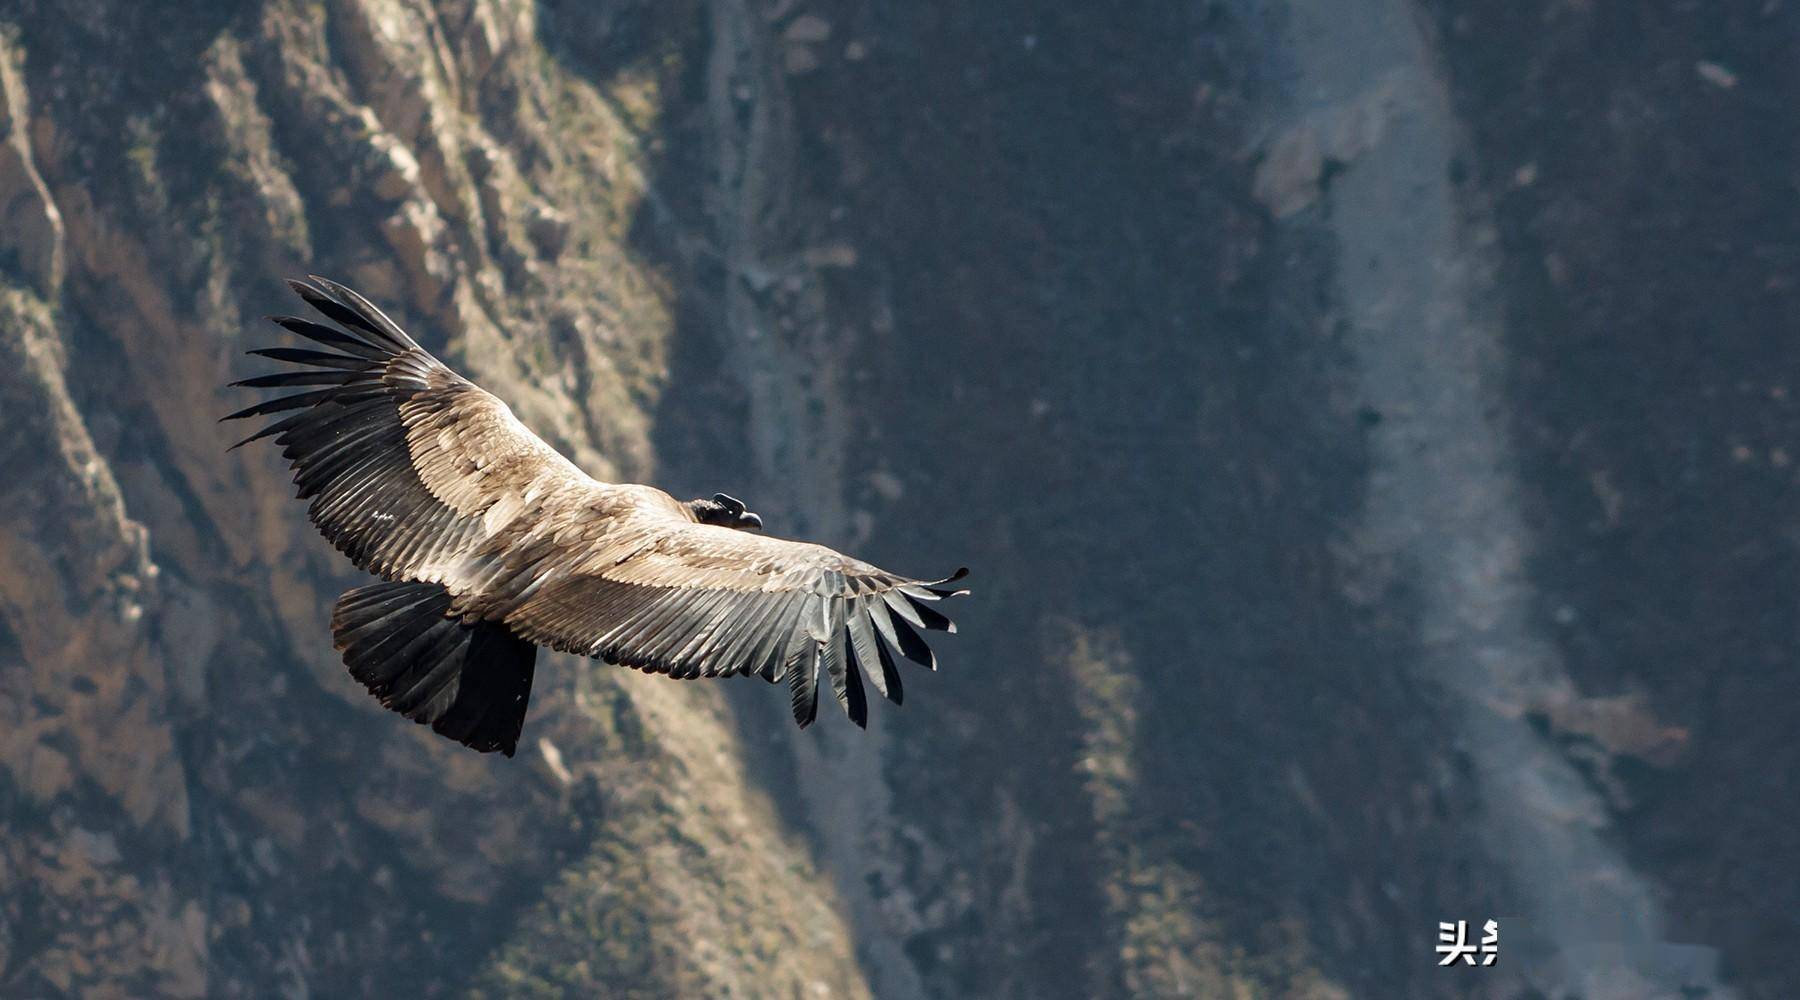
(749, 521)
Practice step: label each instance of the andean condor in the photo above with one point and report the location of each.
(491, 544)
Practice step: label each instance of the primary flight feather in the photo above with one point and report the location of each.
(491, 544)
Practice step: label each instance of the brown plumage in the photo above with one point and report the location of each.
(492, 543)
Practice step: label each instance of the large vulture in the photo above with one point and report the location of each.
(492, 544)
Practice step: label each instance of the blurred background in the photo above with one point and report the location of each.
(1371, 425)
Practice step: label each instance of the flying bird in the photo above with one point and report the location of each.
(490, 544)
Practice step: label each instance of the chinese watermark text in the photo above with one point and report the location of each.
(1453, 943)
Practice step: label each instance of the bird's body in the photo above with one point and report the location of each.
(492, 543)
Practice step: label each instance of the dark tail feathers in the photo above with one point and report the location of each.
(472, 683)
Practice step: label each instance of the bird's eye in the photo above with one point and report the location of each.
(731, 504)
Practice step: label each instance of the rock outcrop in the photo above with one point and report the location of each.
(196, 801)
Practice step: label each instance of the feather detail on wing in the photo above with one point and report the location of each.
(694, 600)
(404, 461)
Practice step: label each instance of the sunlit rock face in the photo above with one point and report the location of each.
(197, 800)
(1368, 483)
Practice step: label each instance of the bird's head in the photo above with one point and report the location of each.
(725, 511)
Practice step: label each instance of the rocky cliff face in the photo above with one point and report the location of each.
(1370, 488)
(195, 801)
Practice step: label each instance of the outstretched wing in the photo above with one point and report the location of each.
(667, 595)
(409, 467)
(418, 474)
